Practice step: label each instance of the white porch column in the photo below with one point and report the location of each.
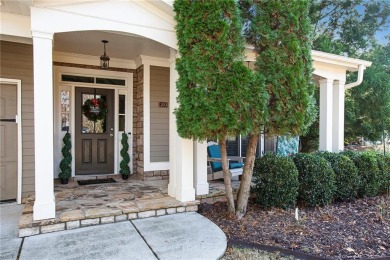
(200, 168)
(181, 185)
(326, 96)
(338, 116)
(44, 206)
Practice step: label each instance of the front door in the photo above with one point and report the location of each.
(8, 142)
(94, 137)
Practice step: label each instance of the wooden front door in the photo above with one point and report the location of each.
(8, 142)
(94, 137)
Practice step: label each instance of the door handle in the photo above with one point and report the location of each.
(111, 135)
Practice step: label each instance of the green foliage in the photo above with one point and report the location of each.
(346, 175)
(66, 170)
(374, 92)
(316, 180)
(347, 26)
(124, 164)
(384, 171)
(370, 176)
(218, 94)
(280, 33)
(276, 181)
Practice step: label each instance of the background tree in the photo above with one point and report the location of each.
(350, 28)
(218, 95)
(368, 106)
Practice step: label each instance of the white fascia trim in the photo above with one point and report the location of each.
(349, 63)
(91, 60)
(328, 58)
(156, 11)
(18, 84)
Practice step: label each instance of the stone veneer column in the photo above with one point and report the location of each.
(139, 123)
(44, 206)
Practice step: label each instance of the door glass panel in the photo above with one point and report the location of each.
(122, 112)
(65, 110)
(94, 114)
(122, 106)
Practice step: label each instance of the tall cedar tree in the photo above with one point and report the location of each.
(279, 30)
(218, 95)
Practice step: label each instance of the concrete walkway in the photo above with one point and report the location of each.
(9, 240)
(179, 236)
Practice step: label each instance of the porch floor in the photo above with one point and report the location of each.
(80, 206)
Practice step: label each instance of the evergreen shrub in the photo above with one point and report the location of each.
(66, 169)
(346, 175)
(276, 181)
(384, 171)
(124, 164)
(369, 173)
(316, 180)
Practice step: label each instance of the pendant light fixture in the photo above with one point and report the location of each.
(104, 59)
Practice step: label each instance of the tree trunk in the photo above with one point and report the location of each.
(245, 185)
(226, 177)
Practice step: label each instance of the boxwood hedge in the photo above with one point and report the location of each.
(316, 180)
(370, 175)
(276, 181)
(346, 175)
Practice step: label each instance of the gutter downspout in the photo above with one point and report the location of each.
(359, 79)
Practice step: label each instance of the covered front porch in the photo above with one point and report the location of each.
(79, 206)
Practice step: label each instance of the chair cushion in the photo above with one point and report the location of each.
(214, 152)
(235, 165)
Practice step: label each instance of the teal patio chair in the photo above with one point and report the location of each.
(214, 158)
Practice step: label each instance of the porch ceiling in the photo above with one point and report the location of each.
(21, 7)
(120, 46)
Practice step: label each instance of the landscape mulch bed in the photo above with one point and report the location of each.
(344, 230)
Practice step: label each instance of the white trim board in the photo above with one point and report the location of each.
(147, 62)
(18, 84)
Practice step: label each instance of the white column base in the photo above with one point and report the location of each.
(200, 168)
(44, 211)
(184, 195)
(202, 188)
(171, 186)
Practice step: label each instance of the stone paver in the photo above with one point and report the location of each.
(72, 215)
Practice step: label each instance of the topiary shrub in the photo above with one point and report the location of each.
(370, 177)
(384, 171)
(316, 180)
(346, 175)
(124, 164)
(66, 169)
(276, 181)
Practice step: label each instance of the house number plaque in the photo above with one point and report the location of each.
(163, 104)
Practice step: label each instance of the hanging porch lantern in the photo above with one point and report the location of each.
(104, 59)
